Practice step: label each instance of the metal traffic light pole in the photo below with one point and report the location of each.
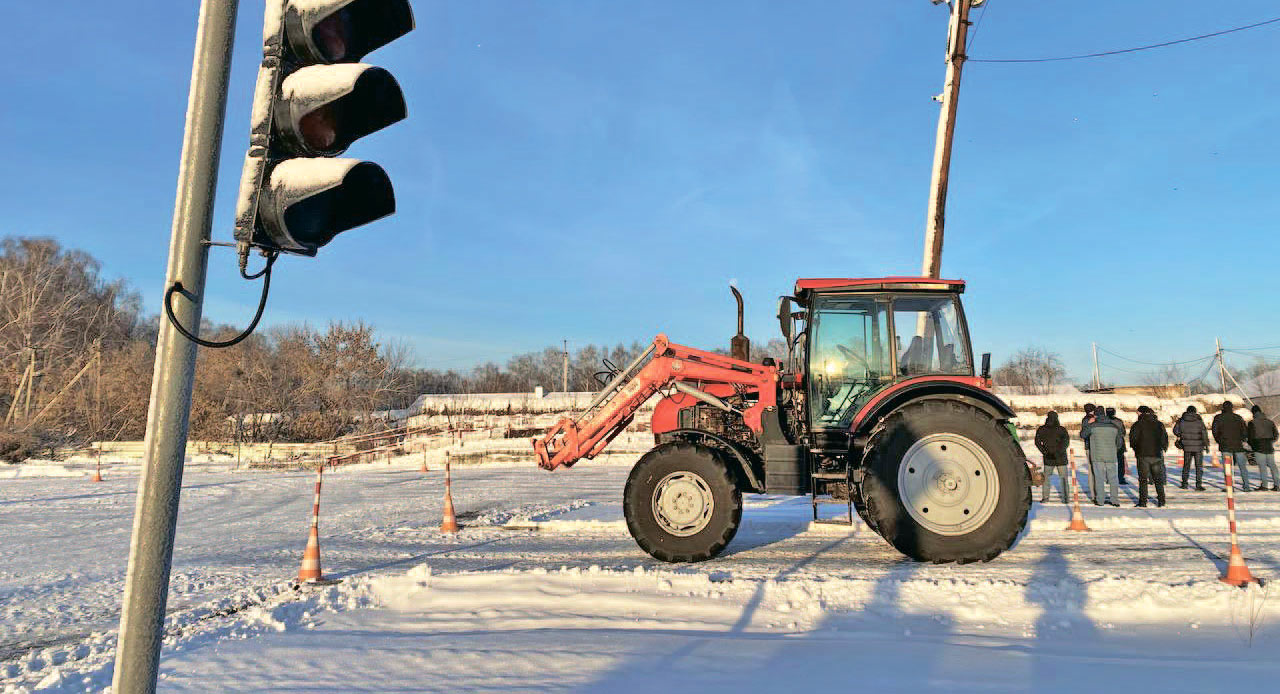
(156, 514)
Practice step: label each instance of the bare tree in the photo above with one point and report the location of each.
(1031, 370)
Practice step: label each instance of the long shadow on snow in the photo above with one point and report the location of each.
(829, 655)
(1062, 622)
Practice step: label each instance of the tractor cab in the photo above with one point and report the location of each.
(857, 339)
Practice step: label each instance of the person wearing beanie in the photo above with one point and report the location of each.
(1262, 439)
(1089, 410)
(1193, 439)
(1230, 432)
(1111, 414)
(1051, 441)
(1149, 441)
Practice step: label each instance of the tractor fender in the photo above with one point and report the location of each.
(743, 458)
(980, 398)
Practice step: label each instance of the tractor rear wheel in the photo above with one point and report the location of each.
(682, 503)
(944, 483)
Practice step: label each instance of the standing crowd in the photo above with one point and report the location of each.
(1104, 438)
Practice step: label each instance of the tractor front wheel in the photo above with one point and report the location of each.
(682, 503)
(944, 483)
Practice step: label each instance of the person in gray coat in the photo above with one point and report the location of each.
(1193, 439)
(1103, 438)
(1111, 414)
(1230, 432)
(1262, 439)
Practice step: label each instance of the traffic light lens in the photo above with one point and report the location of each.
(319, 129)
(332, 35)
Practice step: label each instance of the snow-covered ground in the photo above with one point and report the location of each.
(544, 591)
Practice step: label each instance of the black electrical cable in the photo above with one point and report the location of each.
(271, 256)
(265, 273)
(1124, 50)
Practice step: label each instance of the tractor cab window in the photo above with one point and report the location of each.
(849, 357)
(930, 337)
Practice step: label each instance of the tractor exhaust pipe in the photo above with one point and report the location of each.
(739, 345)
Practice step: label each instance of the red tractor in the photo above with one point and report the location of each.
(875, 407)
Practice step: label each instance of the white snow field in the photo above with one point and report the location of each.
(543, 590)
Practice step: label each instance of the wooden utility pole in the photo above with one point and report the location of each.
(957, 35)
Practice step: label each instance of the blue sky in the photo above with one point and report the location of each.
(600, 171)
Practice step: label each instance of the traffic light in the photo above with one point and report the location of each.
(313, 100)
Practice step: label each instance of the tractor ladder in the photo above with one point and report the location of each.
(820, 482)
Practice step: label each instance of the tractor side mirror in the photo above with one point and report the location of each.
(986, 366)
(784, 317)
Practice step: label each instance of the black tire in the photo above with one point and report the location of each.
(886, 512)
(638, 501)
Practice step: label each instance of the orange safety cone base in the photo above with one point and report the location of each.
(1078, 525)
(310, 571)
(450, 522)
(1237, 573)
(96, 477)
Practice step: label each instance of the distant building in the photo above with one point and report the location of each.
(1158, 390)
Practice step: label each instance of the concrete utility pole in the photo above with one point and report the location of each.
(156, 515)
(1097, 376)
(564, 375)
(1222, 367)
(957, 35)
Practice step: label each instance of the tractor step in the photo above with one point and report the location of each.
(833, 521)
(831, 476)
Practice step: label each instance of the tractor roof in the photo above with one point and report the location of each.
(878, 284)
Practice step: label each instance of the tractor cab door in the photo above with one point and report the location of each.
(850, 356)
(930, 336)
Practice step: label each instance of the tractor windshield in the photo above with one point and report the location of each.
(849, 356)
(930, 336)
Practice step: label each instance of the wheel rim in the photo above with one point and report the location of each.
(682, 504)
(948, 484)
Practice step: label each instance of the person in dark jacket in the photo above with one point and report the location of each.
(1230, 432)
(1149, 441)
(1193, 439)
(1089, 409)
(1262, 439)
(1051, 441)
(1111, 414)
(1103, 438)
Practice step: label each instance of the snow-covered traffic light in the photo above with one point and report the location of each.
(313, 100)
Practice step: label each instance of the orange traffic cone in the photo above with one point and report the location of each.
(424, 458)
(310, 572)
(1237, 573)
(97, 467)
(450, 522)
(1077, 516)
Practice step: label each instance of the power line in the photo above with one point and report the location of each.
(1253, 349)
(1124, 50)
(973, 39)
(1155, 363)
(1111, 367)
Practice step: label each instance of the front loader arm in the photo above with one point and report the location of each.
(659, 366)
